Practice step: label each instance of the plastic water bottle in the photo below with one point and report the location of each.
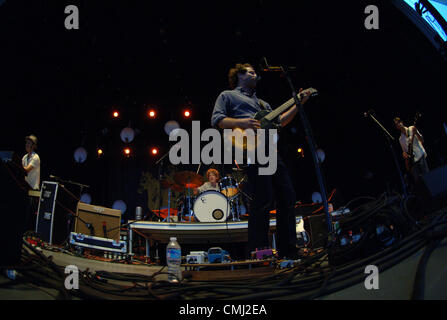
(174, 259)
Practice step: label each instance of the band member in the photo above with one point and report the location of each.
(420, 163)
(235, 109)
(213, 177)
(31, 162)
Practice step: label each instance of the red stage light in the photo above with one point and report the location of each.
(100, 152)
(116, 114)
(151, 114)
(154, 151)
(187, 113)
(127, 151)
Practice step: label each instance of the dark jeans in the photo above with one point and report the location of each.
(30, 217)
(414, 177)
(265, 189)
(420, 168)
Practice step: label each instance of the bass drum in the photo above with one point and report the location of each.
(211, 206)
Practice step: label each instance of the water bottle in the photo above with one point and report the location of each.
(174, 259)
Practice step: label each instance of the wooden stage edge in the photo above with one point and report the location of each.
(198, 272)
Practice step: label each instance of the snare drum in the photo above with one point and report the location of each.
(211, 206)
(228, 186)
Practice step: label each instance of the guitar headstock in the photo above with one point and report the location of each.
(312, 92)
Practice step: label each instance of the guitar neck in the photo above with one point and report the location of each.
(275, 113)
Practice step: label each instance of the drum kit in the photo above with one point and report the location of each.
(208, 206)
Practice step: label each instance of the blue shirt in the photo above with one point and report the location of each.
(238, 103)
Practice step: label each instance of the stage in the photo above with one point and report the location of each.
(395, 283)
(196, 232)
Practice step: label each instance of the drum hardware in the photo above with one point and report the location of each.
(170, 186)
(228, 186)
(188, 180)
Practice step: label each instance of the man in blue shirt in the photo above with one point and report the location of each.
(235, 109)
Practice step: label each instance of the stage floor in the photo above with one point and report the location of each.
(395, 283)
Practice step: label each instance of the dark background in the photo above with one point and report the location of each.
(62, 85)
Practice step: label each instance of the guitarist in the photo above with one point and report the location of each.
(236, 109)
(415, 158)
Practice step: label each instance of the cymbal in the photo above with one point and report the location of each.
(188, 179)
(171, 185)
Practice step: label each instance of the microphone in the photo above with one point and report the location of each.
(367, 113)
(91, 228)
(264, 66)
(272, 69)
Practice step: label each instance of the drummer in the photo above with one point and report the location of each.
(213, 177)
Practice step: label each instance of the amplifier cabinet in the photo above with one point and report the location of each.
(98, 221)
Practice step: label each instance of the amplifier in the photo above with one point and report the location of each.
(82, 240)
(98, 221)
(317, 230)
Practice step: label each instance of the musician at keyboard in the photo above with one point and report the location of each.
(31, 162)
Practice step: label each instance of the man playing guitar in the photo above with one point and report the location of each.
(413, 150)
(237, 108)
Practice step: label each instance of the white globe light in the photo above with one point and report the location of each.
(316, 197)
(119, 205)
(321, 155)
(127, 134)
(171, 125)
(86, 198)
(80, 155)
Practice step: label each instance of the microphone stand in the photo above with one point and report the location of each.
(160, 176)
(311, 142)
(390, 140)
(82, 186)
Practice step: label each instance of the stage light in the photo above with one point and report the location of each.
(119, 205)
(127, 151)
(151, 114)
(300, 152)
(170, 126)
(316, 197)
(127, 134)
(86, 198)
(154, 151)
(187, 113)
(321, 155)
(80, 155)
(100, 152)
(115, 114)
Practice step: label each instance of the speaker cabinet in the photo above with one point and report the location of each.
(317, 230)
(432, 190)
(98, 221)
(14, 209)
